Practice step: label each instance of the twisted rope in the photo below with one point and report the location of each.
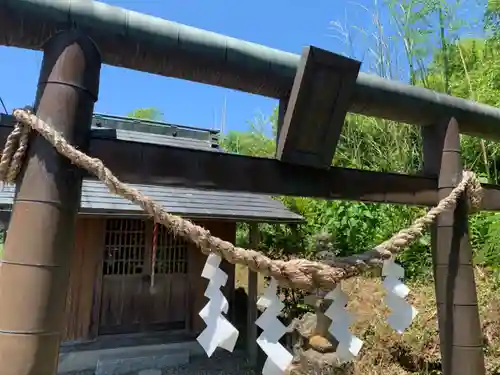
(297, 273)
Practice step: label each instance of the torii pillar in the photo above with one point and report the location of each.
(35, 268)
(461, 339)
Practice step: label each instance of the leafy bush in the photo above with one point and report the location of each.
(365, 142)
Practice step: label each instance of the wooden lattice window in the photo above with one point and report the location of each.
(171, 253)
(124, 247)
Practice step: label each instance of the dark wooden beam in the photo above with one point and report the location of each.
(140, 163)
(491, 197)
(152, 164)
(317, 107)
(162, 165)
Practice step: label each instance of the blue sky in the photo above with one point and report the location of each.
(283, 24)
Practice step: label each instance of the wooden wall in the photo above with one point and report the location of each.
(84, 275)
(225, 231)
(83, 299)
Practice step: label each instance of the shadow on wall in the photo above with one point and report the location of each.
(3, 235)
(4, 224)
(240, 313)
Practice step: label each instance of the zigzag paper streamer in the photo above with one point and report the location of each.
(402, 313)
(278, 358)
(219, 331)
(348, 345)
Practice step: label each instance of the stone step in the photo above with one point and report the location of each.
(88, 360)
(142, 359)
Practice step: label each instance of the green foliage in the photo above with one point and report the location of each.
(464, 67)
(421, 42)
(253, 142)
(353, 226)
(147, 114)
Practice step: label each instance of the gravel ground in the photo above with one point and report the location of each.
(219, 364)
(222, 363)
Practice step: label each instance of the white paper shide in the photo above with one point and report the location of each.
(219, 331)
(278, 357)
(402, 313)
(348, 345)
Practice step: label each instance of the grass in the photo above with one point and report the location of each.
(417, 350)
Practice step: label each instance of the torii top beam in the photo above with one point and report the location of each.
(146, 43)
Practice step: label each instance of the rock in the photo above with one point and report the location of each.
(150, 372)
(321, 344)
(305, 325)
(312, 362)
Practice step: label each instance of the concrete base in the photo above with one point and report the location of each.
(143, 360)
(118, 361)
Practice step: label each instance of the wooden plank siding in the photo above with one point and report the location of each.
(84, 285)
(83, 302)
(128, 304)
(125, 300)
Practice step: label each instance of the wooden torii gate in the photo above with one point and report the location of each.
(313, 105)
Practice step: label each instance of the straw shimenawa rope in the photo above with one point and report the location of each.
(297, 273)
